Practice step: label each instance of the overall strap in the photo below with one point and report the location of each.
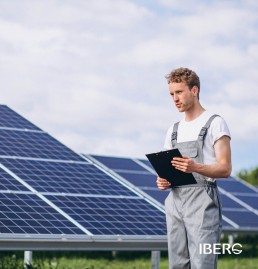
(174, 134)
(205, 128)
(202, 135)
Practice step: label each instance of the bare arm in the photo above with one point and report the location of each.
(222, 167)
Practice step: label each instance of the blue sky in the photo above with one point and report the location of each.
(91, 73)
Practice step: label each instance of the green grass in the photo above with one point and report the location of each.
(238, 263)
(225, 263)
(140, 263)
(104, 263)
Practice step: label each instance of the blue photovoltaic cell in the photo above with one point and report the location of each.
(119, 163)
(157, 194)
(232, 185)
(10, 119)
(130, 170)
(34, 145)
(113, 216)
(251, 200)
(78, 178)
(243, 218)
(27, 213)
(140, 179)
(7, 182)
(146, 162)
(228, 203)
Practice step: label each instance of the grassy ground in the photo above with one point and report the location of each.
(104, 263)
(238, 263)
(226, 263)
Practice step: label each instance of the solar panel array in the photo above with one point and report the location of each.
(47, 189)
(239, 200)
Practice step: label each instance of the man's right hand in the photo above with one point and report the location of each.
(163, 184)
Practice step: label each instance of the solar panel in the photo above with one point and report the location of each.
(8, 183)
(228, 203)
(240, 190)
(146, 181)
(48, 189)
(243, 218)
(135, 174)
(158, 195)
(140, 179)
(251, 200)
(113, 216)
(62, 177)
(234, 186)
(146, 162)
(34, 145)
(117, 163)
(226, 224)
(10, 119)
(27, 213)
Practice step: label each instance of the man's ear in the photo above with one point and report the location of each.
(195, 90)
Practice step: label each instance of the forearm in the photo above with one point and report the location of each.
(218, 170)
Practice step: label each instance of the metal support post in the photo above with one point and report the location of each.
(231, 239)
(155, 259)
(27, 257)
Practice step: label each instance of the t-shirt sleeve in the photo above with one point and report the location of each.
(218, 129)
(168, 142)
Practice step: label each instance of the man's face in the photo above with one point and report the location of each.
(182, 95)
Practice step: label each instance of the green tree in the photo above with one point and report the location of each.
(251, 176)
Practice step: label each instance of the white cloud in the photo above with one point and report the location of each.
(92, 72)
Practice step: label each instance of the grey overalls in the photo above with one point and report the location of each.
(193, 212)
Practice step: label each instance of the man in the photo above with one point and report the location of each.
(193, 212)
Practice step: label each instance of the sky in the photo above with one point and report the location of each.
(92, 73)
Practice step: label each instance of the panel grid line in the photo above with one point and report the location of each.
(21, 130)
(42, 159)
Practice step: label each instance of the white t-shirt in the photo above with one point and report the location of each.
(189, 131)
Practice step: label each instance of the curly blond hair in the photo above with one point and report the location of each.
(184, 75)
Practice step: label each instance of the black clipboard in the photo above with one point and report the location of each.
(161, 162)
